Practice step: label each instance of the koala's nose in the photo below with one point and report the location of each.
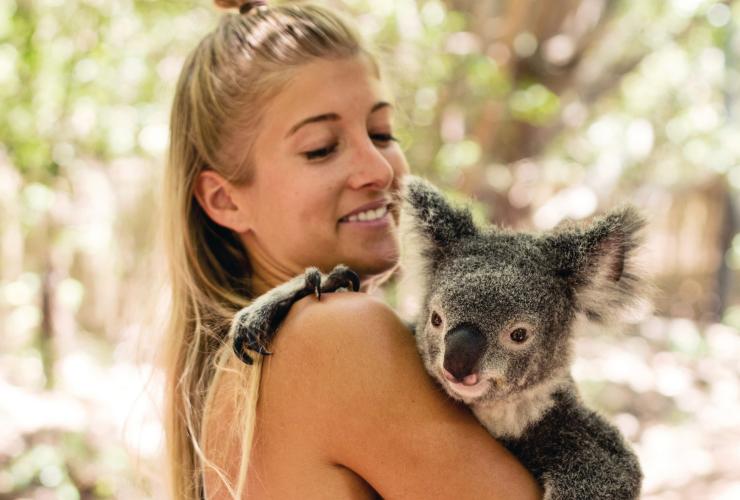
(464, 346)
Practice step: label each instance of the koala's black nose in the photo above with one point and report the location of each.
(464, 345)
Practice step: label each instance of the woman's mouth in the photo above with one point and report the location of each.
(367, 215)
(370, 216)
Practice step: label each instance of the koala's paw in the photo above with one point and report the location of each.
(254, 326)
(341, 277)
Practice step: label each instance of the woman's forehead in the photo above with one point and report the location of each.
(329, 86)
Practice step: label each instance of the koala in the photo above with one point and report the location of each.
(496, 326)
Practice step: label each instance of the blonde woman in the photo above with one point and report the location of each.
(282, 156)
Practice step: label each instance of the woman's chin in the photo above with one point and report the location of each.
(371, 269)
(373, 265)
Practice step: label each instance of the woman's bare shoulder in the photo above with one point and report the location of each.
(338, 307)
(354, 314)
(332, 342)
(348, 373)
(347, 339)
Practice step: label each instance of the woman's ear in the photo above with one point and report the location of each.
(216, 196)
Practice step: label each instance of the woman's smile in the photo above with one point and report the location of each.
(373, 214)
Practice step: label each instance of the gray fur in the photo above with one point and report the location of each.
(491, 282)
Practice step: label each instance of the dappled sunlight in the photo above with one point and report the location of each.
(534, 117)
(673, 389)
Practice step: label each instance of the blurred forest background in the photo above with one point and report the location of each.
(540, 110)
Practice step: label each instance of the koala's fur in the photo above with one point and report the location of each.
(491, 282)
(482, 288)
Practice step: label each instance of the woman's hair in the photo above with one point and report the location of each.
(222, 92)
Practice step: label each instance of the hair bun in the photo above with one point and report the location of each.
(243, 6)
(249, 5)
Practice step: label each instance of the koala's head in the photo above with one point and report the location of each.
(499, 305)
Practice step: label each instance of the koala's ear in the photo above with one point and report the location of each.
(598, 262)
(431, 216)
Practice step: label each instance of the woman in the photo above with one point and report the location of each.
(282, 157)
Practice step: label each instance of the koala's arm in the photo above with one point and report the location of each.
(346, 371)
(575, 453)
(254, 326)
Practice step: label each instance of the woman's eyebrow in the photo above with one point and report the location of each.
(312, 119)
(331, 117)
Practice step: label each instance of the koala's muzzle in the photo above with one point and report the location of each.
(464, 346)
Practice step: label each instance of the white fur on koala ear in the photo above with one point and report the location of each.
(429, 225)
(609, 283)
(417, 252)
(434, 217)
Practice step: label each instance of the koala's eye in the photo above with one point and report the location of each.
(436, 319)
(519, 335)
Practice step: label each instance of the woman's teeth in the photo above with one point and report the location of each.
(369, 215)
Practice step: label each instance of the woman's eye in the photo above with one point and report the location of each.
(320, 153)
(384, 138)
(327, 150)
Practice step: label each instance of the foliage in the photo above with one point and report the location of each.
(541, 110)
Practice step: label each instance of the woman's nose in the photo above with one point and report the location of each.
(370, 167)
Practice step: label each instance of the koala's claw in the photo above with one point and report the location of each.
(254, 326)
(341, 277)
(313, 282)
(242, 343)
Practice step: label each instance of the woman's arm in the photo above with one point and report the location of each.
(348, 373)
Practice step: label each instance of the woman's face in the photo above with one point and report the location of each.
(325, 167)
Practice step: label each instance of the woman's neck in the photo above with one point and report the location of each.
(263, 281)
(267, 274)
